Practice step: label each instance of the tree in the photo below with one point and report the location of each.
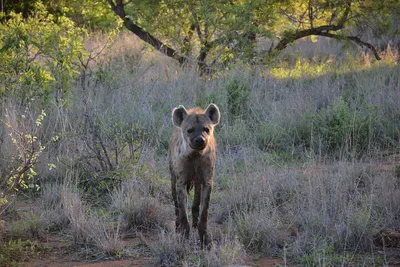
(85, 13)
(344, 20)
(59, 45)
(217, 31)
(189, 31)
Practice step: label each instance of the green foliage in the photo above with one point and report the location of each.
(29, 227)
(23, 132)
(220, 32)
(16, 251)
(94, 15)
(39, 56)
(220, 29)
(238, 93)
(346, 127)
(339, 128)
(114, 147)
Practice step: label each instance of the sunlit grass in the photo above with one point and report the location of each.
(318, 66)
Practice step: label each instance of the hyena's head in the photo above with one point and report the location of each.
(197, 125)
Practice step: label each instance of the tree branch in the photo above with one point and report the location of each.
(291, 37)
(355, 39)
(323, 31)
(118, 8)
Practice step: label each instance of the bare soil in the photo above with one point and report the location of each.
(58, 253)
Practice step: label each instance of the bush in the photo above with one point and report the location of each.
(88, 227)
(137, 209)
(23, 40)
(238, 93)
(339, 129)
(51, 206)
(258, 232)
(227, 252)
(30, 227)
(16, 251)
(170, 250)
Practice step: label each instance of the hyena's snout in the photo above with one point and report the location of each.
(199, 143)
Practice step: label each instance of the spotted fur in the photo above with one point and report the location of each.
(192, 157)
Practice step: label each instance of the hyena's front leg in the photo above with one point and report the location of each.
(182, 220)
(173, 189)
(196, 204)
(205, 201)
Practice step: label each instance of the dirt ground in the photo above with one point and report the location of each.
(58, 253)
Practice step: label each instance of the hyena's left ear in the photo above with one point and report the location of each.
(178, 115)
(212, 112)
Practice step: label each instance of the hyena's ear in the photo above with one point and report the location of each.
(212, 112)
(178, 115)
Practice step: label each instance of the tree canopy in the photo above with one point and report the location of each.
(217, 32)
(210, 32)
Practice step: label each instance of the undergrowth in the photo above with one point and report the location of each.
(298, 174)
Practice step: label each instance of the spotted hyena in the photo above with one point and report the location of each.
(192, 156)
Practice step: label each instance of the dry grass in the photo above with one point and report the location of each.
(319, 208)
(172, 250)
(138, 209)
(291, 177)
(87, 228)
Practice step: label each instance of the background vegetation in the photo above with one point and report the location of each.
(308, 146)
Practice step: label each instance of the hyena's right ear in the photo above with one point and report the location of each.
(178, 115)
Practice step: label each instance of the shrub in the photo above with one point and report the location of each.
(227, 252)
(170, 249)
(137, 209)
(30, 227)
(339, 128)
(89, 228)
(51, 206)
(59, 44)
(238, 93)
(258, 232)
(16, 251)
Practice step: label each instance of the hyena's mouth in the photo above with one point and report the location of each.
(198, 147)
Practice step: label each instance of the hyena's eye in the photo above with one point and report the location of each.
(207, 130)
(191, 130)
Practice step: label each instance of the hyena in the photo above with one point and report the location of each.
(192, 156)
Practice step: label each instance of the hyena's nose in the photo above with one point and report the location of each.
(199, 141)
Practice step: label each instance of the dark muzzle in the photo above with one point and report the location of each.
(199, 143)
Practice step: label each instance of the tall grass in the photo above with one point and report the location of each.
(299, 150)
